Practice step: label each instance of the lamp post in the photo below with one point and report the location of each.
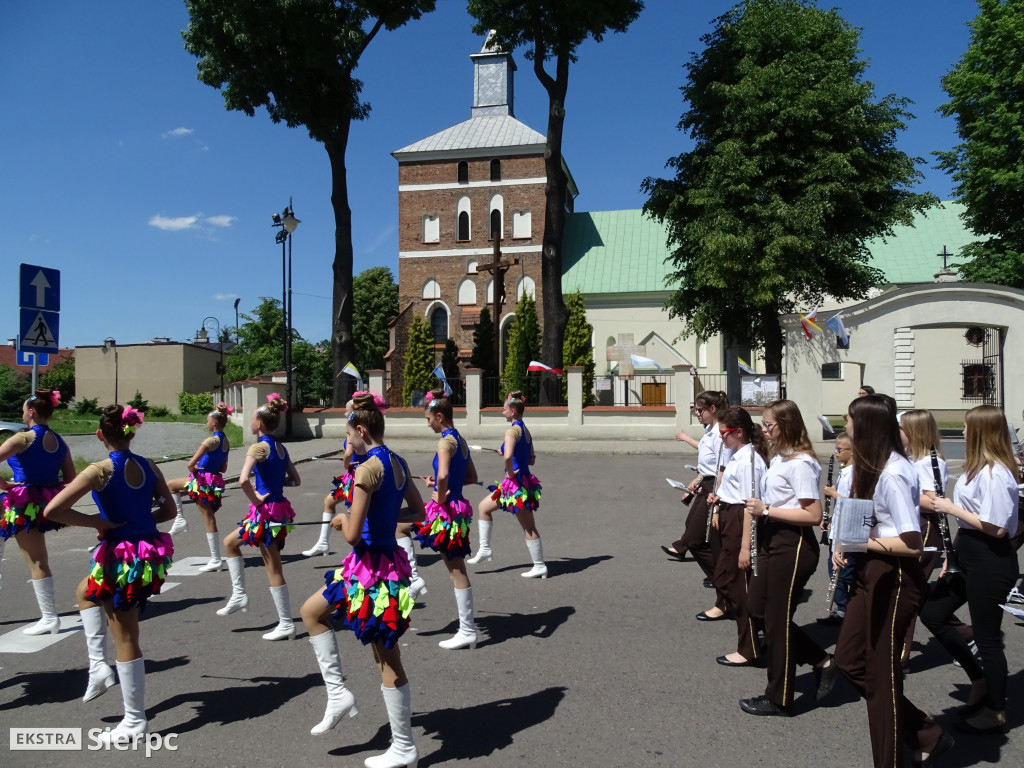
(220, 344)
(236, 320)
(288, 223)
(108, 344)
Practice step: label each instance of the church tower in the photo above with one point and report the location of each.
(456, 189)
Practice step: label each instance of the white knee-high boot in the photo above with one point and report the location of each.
(339, 698)
(467, 626)
(322, 546)
(403, 751)
(132, 675)
(50, 621)
(539, 570)
(285, 629)
(180, 523)
(416, 584)
(101, 676)
(238, 600)
(215, 562)
(483, 549)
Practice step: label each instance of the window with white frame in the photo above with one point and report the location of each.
(431, 290)
(521, 226)
(464, 220)
(524, 286)
(467, 292)
(431, 228)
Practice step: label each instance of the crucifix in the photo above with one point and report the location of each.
(622, 354)
(945, 255)
(498, 268)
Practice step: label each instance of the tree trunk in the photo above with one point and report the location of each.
(555, 313)
(773, 341)
(342, 348)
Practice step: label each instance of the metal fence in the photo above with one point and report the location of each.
(539, 389)
(643, 389)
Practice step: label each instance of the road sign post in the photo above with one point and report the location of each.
(39, 329)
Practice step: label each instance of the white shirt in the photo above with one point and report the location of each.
(845, 482)
(991, 495)
(897, 498)
(735, 487)
(789, 480)
(926, 475)
(707, 451)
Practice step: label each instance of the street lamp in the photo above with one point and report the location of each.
(111, 343)
(288, 223)
(236, 320)
(220, 343)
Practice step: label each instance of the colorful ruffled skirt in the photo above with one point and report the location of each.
(205, 488)
(446, 529)
(270, 522)
(512, 497)
(343, 488)
(129, 572)
(370, 593)
(22, 508)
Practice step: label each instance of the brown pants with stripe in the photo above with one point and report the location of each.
(887, 594)
(693, 539)
(928, 561)
(787, 557)
(733, 581)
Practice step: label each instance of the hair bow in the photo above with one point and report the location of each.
(229, 408)
(55, 397)
(277, 396)
(130, 418)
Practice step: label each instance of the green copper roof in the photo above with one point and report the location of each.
(624, 251)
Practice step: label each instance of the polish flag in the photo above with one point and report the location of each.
(536, 367)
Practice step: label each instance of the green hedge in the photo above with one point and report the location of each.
(193, 403)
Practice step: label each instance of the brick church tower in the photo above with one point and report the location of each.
(455, 189)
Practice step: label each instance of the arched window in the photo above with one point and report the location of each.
(467, 292)
(471, 266)
(524, 286)
(521, 224)
(431, 228)
(490, 291)
(495, 170)
(464, 221)
(506, 329)
(496, 217)
(439, 325)
(431, 290)
(463, 172)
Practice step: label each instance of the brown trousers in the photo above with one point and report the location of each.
(786, 559)
(929, 561)
(733, 581)
(887, 594)
(693, 539)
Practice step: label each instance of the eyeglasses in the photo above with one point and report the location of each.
(699, 411)
(768, 425)
(724, 432)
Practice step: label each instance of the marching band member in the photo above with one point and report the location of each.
(841, 596)
(985, 504)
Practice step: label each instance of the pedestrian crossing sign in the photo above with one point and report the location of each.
(39, 331)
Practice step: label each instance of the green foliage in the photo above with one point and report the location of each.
(195, 402)
(375, 304)
(88, 406)
(794, 167)
(523, 346)
(138, 403)
(260, 343)
(62, 378)
(578, 348)
(419, 361)
(313, 384)
(483, 346)
(452, 370)
(986, 92)
(14, 390)
(158, 411)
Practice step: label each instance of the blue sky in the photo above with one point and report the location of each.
(126, 173)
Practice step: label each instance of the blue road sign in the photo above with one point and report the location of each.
(26, 358)
(39, 331)
(39, 288)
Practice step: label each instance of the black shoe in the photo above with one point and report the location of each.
(708, 584)
(702, 616)
(965, 727)
(834, 619)
(942, 746)
(724, 661)
(762, 705)
(825, 678)
(673, 554)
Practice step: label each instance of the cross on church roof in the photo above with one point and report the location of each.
(945, 255)
(621, 352)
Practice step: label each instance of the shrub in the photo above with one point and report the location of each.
(138, 403)
(88, 406)
(195, 402)
(159, 410)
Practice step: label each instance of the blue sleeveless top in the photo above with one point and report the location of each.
(385, 502)
(271, 472)
(213, 460)
(37, 466)
(521, 452)
(119, 501)
(457, 467)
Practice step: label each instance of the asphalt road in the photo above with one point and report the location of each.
(602, 664)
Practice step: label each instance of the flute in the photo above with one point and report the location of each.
(948, 553)
(753, 520)
(826, 514)
(712, 508)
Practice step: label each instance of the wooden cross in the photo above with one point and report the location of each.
(498, 268)
(621, 352)
(945, 255)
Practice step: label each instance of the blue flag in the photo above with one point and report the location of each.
(439, 372)
(835, 323)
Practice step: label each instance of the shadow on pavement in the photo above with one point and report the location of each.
(47, 688)
(563, 566)
(510, 626)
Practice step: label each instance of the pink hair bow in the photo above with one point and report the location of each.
(130, 418)
(276, 396)
(229, 408)
(55, 397)
(378, 398)
(429, 396)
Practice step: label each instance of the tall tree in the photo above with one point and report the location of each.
(795, 167)
(523, 346)
(419, 361)
(297, 59)
(552, 30)
(578, 348)
(260, 342)
(375, 298)
(483, 346)
(986, 91)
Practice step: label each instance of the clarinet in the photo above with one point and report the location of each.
(712, 508)
(753, 520)
(948, 553)
(826, 515)
(830, 596)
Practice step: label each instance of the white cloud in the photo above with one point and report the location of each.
(177, 133)
(220, 221)
(225, 296)
(173, 225)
